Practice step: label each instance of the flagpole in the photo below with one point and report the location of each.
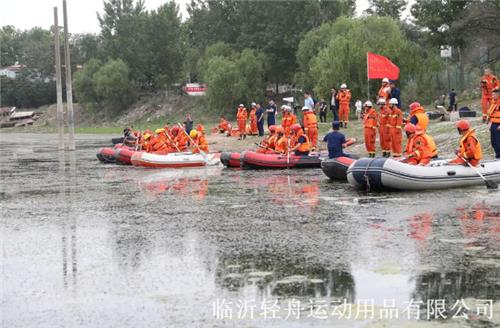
(367, 79)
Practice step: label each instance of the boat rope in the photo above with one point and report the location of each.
(367, 178)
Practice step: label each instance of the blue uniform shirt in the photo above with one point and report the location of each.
(396, 93)
(271, 112)
(335, 140)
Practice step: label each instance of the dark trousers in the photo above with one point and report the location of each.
(335, 112)
(260, 126)
(495, 138)
(322, 116)
(301, 153)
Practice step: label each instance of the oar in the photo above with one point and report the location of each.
(288, 153)
(277, 152)
(489, 183)
(173, 143)
(194, 143)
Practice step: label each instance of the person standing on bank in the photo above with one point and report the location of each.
(333, 104)
(260, 119)
(323, 107)
(493, 117)
(395, 93)
(452, 98)
(271, 113)
(308, 100)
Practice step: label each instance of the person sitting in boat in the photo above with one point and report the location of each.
(336, 142)
(281, 141)
(300, 141)
(145, 145)
(200, 142)
(157, 143)
(420, 147)
(180, 138)
(223, 125)
(129, 138)
(267, 144)
(470, 148)
(418, 117)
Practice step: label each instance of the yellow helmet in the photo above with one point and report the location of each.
(147, 136)
(157, 131)
(193, 133)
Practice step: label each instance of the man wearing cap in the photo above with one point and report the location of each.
(259, 113)
(241, 118)
(385, 90)
(310, 122)
(493, 117)
(336, 142)
(396, 128)
(488, 83)
(370, 124)
(344, 98)
(385, 128)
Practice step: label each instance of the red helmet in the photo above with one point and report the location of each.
(279, 129)
(414, 105)
(272, 128)
(463, 125)
(410, 128)
(296, 127)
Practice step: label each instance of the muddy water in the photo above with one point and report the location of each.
(93, 245)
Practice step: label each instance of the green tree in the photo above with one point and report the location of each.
(251, 67)
(224, 87)
(10, 45)
(83, 82)
(391, 8)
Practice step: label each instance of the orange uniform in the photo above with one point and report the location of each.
(223, 125)
(181, 141)
(311, 127)
(370, 124)
(423, 119)
(385, 129)
(282, 145)
(494, 112)
(202, 144)
(491, 82)
(420, 149)
(470, 149)
(303, 147)
(344, 98)
(287, 121)
(253, 122)
(242, 117)
(384, 92)
(395, 124)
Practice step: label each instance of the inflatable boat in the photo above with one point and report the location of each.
(389, 174)
(231, 159)
(119, 140)
(174, 160)
(336, 168)
(253, 160)
(107, 155)
(123, 155)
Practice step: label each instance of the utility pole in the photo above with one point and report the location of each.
(60, 109)
(69, 91)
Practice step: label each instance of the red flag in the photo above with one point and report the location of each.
(380, 67)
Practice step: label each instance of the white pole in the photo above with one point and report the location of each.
(60, 109)
(367, 79)
(69, 91)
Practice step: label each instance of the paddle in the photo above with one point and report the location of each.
(277, 152)
(288, 153)
(172, 142)
(489, 183)
(202, 153)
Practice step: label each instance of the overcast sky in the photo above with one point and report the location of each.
(25, 14)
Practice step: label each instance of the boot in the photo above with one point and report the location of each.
(345, 125)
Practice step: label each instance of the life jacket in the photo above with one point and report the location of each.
(288, 120)
(491, 83)
(494, 112)
(305, 146)
(344, 97)
(242, 114)
(282, 145)
(423, 119)
(468, 141)
(385, 113)
(223, 124)
(310, 120)
(202, 143)
(159, 143)
(181, 140)
(370, 120)
(429, 146)
(384, 92)
(396, 118)
(271, 141)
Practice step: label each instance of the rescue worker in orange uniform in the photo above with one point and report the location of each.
(223, 125)
(180, 139)
(200, 142)
(253, 120)
(288, 119)
(396, 128)
(344, 100)
(310, 126)
(370, 124)
(420, 147)
(268, 143)
(241, 117)
(166, 140)
(385, 90)
(385, 128)
(418, 117)
(300, 142)
(282, 141)
(488, 83)
(145, 145)
(493, 118)
(470, 148)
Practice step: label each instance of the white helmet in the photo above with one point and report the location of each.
(343, 86)
(385, 80)
(254, 104)
(283, 107)
(381, 101)
(305, 108)
(368, 104)
(241, 105)
(393, 101)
